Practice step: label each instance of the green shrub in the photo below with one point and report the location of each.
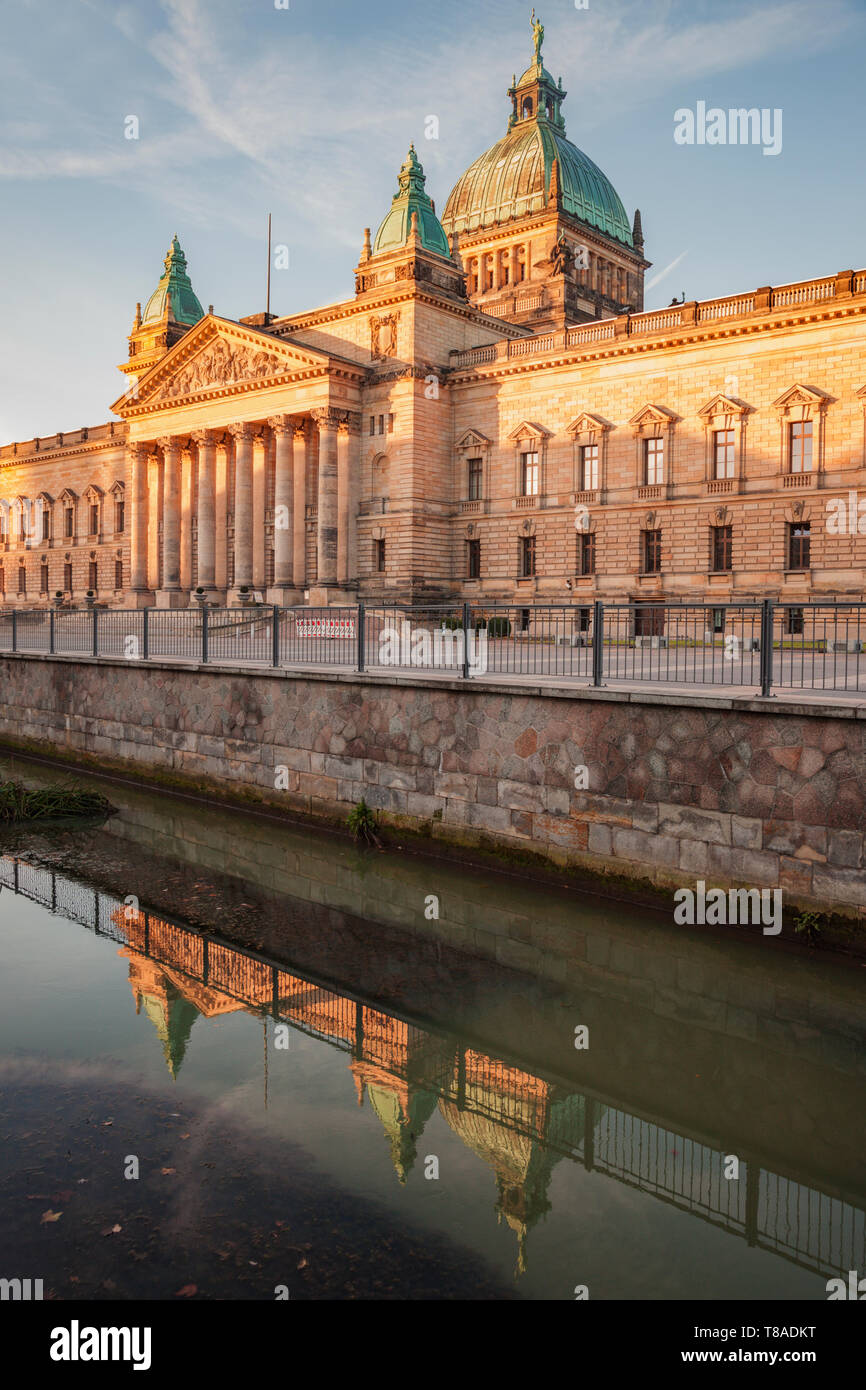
(498, 627)
(362, 823)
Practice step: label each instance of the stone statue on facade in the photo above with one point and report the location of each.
(562, 257)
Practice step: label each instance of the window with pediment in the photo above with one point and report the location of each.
(802, 412)
(589, 434)
(653, 429)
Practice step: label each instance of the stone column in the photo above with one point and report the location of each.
(136, 457)
(326, 535)
(260, 489)
(170, 517)
(206, 511)
(186, 506)
(348, 462)
(155, 474)
(302, 443)
(284, 502)
(221, 511)
(243, 504)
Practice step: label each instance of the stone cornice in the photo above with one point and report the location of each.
(63, 451)
(390, 295)
(611, 349)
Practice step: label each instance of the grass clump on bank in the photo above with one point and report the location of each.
(18, 803)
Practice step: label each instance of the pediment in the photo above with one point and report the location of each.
(473, 439)
(218, 357)
(799, 395)
(587, 423)
(861, 392)
(724, 405)
(652, 415)
(527, 429)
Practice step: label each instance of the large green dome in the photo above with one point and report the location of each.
(513, 179)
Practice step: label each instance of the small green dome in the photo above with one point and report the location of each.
(411, 198)
(176, 284)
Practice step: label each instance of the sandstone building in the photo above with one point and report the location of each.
(491, 416)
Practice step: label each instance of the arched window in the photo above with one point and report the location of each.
(526, 109)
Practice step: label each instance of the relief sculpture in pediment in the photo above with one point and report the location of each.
(222, 364)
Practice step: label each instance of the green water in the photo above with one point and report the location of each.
(430, 1129)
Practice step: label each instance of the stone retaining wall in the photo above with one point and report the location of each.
(745, 792)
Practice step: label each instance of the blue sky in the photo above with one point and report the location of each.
(307, 112)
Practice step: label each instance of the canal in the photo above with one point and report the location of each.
(242, 1059)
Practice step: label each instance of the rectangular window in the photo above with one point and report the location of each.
(94, 519)
(529, 475)
(379, 556)
(800, 440)
(372, 424)
(67, 578)
(2, 581)
(589, 467)
(799, 546)
(92, 576)
(22, 580)
(46, 523)
(524, 620)
(723, 453)
(119, 514)
(652, 552)
(118, 574)
(473, 559)
(390, 424)
(586, 553)
(649, 621)
(43, 579)
(381, 424)
(69, 521)
(527, 557)
(22, 524)
(794, 621)
(717, 619)
(722, 547)
(654, 461)
(475, 475)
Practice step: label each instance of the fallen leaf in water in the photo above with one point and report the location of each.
(165, 1171)
(49, 1216)
(188, 1291)
(302, 1262)
(184, 1136)
(112, 1230)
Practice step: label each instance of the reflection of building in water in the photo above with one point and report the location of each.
(507, 1116)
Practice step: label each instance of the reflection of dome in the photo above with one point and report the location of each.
(513, 178)
(174, 292)
(402, 1129)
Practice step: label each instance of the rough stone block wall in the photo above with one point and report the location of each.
(729, 791)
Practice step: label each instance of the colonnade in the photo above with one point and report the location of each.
(200, 506)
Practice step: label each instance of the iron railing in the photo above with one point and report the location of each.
(762, 646)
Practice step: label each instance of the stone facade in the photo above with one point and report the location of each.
(491, 417)
(677, 789)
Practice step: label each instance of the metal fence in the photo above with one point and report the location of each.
(759, 645)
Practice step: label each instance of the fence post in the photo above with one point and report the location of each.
(205, 653)
(362, 636)
(275, 637)
(597, 642)
(145, 634)
(466, 641)
(766, 647)
(51, 632)
(14, 630)
(96, 632)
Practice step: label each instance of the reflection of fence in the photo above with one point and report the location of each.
(820, 1232)
(768, 645)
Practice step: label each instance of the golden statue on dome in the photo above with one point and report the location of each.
(538, 35)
